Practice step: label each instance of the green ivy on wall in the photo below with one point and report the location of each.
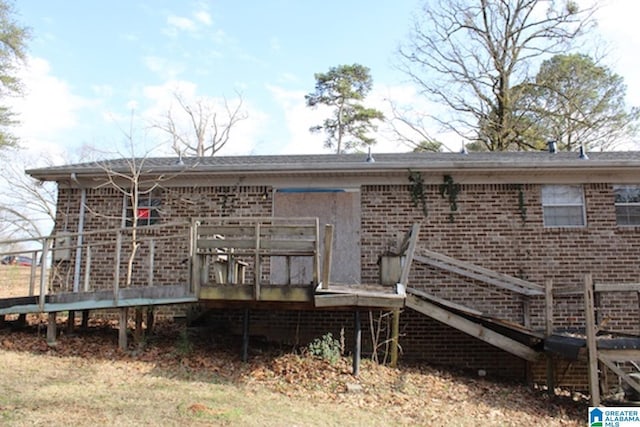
(416, 188)
(449, 189)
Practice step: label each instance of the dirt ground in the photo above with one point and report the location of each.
(183, 376)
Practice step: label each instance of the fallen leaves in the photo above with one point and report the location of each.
(414, 394)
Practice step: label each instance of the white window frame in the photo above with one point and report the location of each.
(626, 204)
(151, 201)
(551, 196)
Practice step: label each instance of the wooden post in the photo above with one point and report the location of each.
(87, 269)
(408, 259)
(548, 309)
(32, 275)
(51, 329)
(326, 256)
(122, 332)
(590, 326)
(85, 319)
(152, 251)
(357, 343)
(245, 335)
(43, 275)
(71, 322)
(150, 319)
(137, 333)
(116, 274)
(395, 333)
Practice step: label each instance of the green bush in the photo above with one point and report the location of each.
(327, 348)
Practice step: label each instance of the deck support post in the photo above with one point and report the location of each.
(22, 320)
(357, 342)
(51, 329)
(2, 321)
(85, 319)
(395, 333)
(122, 332)
(245, 335)
(590, 326)
(150, 319)
(551, 365)
(138, 334)
(71, 322)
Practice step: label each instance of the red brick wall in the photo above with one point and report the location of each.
(488, 229)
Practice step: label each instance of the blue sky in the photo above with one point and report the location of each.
(92, 63)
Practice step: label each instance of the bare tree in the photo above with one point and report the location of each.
(468, 55)
(27, 206)
(199, 128)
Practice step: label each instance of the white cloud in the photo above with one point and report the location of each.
(48, 108)
(203, 17)
(165, 68)
(180, 23)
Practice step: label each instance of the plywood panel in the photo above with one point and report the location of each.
(342, 209)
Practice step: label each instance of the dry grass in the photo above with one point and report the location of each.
(14, 281)
(197, 379)
(86, 381)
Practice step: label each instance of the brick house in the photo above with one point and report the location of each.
(534, 216)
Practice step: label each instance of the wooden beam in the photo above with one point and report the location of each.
(548, 331)
(395, 334)
(617, 287)
(51, 329)
(408, 260)
(479, 273)
(445, 302)
(620, 355)
(257, 269)
(326, 256)
(474, 329)
(357, 343)
(122, 332)
(622, 374)
(590, 326)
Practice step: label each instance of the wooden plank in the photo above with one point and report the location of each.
(289, 231)
(51, 329)
(622, 374)
(226, 230)
(548, 331)
(620, 355)
(478, 276)
(326, 256)
(237, 243)
(617, 287)
(122, 329)
(485, 271)
(258, 269)
(43, 274)
(590, 326)
(408, 260)
(335, 300)
(395, 334)
(116, 273)
(474, 329)
(289, 245)
(444, 302)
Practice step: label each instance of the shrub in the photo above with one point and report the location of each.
(326, 347)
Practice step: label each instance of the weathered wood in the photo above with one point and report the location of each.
(474, 329)
(152, 251)
(43, 274)
(84, 324)
(32, 273)
(71, 322)
(619, 372)
(357, 343)
(327, 254)
(408, 260)
(443, 301)
(548, 331)
(138, 333)
(590, 326)
(316, 255)
(482, 274)
(395, 334)
(87, 270)
(620, 355)
(150, 319)
(122, 331)
(51, 328)
(616, 287)
(237, 243)
(116, 274)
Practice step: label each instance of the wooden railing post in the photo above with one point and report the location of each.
(326, 256)
(87, 269)
(590, 327)
(116, 273)
(32, 275)
(152, 250)
(548, 309)
(43, 273)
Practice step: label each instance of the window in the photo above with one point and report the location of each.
(563, 206)
(627, 199)
(148, 210)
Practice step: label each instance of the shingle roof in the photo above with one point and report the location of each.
(349, 163)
